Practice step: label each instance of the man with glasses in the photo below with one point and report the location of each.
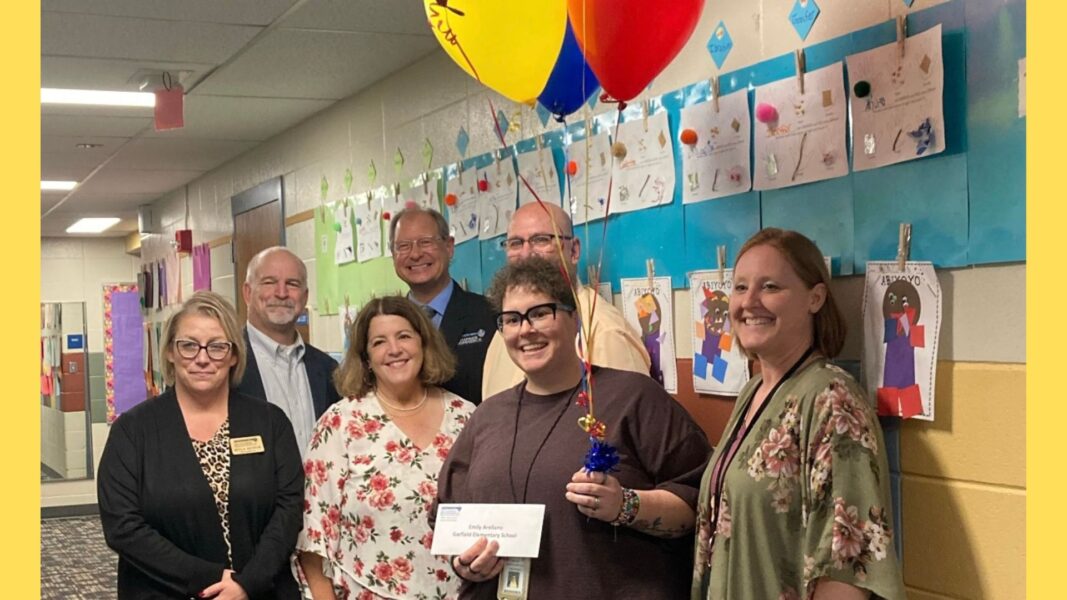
(422, 250)
(282, 368)
(531, 233)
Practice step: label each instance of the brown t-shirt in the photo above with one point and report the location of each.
(659, 445)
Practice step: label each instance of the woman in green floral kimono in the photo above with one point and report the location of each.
(795, 501)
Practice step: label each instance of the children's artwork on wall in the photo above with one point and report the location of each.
(423, 191)
(897, 108)
(124, 380)
(368, 216)
(325, 267)
(461, 202)
(391, 203)
(719, 367)
(538, 167)
(201, 267)
(651, 310)
(644, 164)
(800, 138)
(497, 189)
(901, 326)
(173, 272)
(347, 316)
(715, 148)
(587, 186)
(344, 248)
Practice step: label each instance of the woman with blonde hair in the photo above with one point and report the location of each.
(371, 467)
(200, 487)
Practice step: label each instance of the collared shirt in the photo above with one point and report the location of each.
(618, 345)
(439, 303)
(285, 381)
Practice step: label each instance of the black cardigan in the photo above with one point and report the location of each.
(159, 513)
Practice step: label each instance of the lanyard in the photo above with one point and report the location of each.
(515, 437)
(740, 431)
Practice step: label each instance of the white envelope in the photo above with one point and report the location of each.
(516, 527)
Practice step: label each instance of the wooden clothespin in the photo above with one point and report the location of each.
(798, 55)
(463, 284)
(370, 196)
(902, 32)
(713, 85)
(396, 190)
(425, 183)
(644, 113)
(496, 158)
(459, 173)
(348, 303)
(650, 268)
(720, 260)
(903, 245)
(326, 306)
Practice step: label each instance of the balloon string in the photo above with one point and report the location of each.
(611, 181)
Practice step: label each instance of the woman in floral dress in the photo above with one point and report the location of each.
(371, 467)
(795, 501)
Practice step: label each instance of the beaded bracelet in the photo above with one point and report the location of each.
(631, 503)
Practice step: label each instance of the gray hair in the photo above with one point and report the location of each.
(439, 220)
(253, 265)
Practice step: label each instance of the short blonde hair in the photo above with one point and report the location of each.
(208, 304)
(355, 377)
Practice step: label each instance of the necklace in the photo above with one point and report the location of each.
(401, 409)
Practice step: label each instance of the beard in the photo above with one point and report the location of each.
(280, 314)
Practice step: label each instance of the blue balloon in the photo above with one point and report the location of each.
(571, 82)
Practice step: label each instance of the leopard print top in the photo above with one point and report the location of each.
(214, 456)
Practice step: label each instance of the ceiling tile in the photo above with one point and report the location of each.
(383, 16)
(116, 204)
(62, 169)
(241, 12)
(93, 125)
(74, 72)
(237, 118)
(69, 34)
(111, 180)
(178, 153)
(316, 64)
(56, 145)
(56, 224)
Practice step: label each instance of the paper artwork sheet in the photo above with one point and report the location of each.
(463, 215)
(807, 142)
(391, 203)
(587, 189)
(718, 164)
(344, 248)
(650, 310)
(645, 177)
(368, 216)
(423, 191)
(901, 116)
(539, 170)
(901, 327)
(497, 203)
(719, 367)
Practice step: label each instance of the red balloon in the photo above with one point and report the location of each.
(628, 42)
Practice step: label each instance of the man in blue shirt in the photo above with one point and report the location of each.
(423, 247)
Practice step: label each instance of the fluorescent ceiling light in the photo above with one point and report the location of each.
(58, 185)
(97, 97)
(93, 225)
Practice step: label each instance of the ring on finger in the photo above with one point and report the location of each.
(596, 502)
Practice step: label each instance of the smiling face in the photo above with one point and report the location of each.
(530, 220)
(771, 309)
(200, 375)
(544, 351)
(394, 351)
(277, 293)
(422, 268)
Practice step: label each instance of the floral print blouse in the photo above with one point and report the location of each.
(367, 488)
(805, 497)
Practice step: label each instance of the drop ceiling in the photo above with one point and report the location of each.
(251, 69)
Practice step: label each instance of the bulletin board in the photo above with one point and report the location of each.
(966, 204)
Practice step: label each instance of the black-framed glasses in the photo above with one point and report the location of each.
(424, 244)
(536, 315)
(537, 241)
(189, 349)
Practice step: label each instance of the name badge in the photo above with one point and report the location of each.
(472, 337)
(252, 444)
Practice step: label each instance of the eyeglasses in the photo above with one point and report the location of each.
(424, 244)
(215, 350)
(537, 241)
(535, 315)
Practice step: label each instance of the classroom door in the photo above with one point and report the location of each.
(258, 223)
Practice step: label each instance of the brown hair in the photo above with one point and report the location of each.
(536, 274)
(355, 377)
(208, 304)
(806, 259)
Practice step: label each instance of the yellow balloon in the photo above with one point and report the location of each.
(508, 45)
